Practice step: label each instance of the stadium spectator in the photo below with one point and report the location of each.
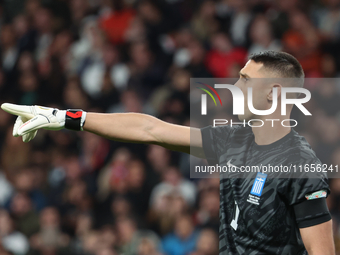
(224, 56)
(12, 240)
(206, 243)
(50, 238)
(262, 36)
(132, 240)
(302, 40)
(182, 241)
(26, 218)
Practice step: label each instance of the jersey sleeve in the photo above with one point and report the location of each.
(214, 142)
(298, 190)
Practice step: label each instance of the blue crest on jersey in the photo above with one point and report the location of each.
(258, 184)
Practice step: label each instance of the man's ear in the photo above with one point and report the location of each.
(270, 94)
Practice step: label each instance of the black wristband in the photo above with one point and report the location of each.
(73, 119)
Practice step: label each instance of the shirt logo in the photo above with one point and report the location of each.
(258, 184)
(231, 165)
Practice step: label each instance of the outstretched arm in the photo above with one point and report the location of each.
(124, 127)
(143, 128)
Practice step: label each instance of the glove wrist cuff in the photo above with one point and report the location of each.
(82, 121)
(75, 119)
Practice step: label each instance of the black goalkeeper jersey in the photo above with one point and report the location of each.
(256, 212)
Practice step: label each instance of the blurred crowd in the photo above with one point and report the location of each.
(76, 193)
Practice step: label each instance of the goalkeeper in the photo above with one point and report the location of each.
(257, 215)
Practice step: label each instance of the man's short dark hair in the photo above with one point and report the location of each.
(282, 63)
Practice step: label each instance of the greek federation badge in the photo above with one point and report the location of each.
(258, 184)
(256, 189)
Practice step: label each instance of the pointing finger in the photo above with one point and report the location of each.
(20, 110)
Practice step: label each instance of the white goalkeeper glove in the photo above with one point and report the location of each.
(32, 118)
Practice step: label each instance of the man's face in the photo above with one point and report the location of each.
(252, 76)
